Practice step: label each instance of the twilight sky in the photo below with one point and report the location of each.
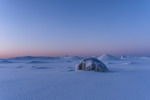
(74, 27)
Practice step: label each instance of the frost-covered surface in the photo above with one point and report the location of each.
(57, 80)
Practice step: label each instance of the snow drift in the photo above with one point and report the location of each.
(106, 57)
(6, 61)
(70, 57)
(34, 58)
(36, 62)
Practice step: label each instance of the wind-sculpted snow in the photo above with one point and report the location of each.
(5, 61)
(71, 57)
(107, 57)
(37, 67)
(36, 62)
(20, 66)
(132, 63)
(24, 58)
(128, 79)
(46, 58)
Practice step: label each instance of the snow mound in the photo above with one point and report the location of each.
(110, 63)
(23, 58)
(34, 58)
(46, 58)
(89, 64)
(131, 63)
(37, 67)
(21, 66)
(35, 62)
(128, 57)
(70, 58)
(107, 57)
(145, 58)
(5, 61)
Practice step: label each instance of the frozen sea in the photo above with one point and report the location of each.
(55, 79)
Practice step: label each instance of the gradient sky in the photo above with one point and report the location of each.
(74, 27)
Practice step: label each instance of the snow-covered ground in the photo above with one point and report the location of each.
(55, 79)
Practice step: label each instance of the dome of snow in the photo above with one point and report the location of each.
(89, 64)
(70, 57)
(106, 57)
(128, 57)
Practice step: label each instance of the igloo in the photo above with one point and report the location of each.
(91, 64)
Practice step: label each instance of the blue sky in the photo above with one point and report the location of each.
(74, 27)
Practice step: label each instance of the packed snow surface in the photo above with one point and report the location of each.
(128, 79)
